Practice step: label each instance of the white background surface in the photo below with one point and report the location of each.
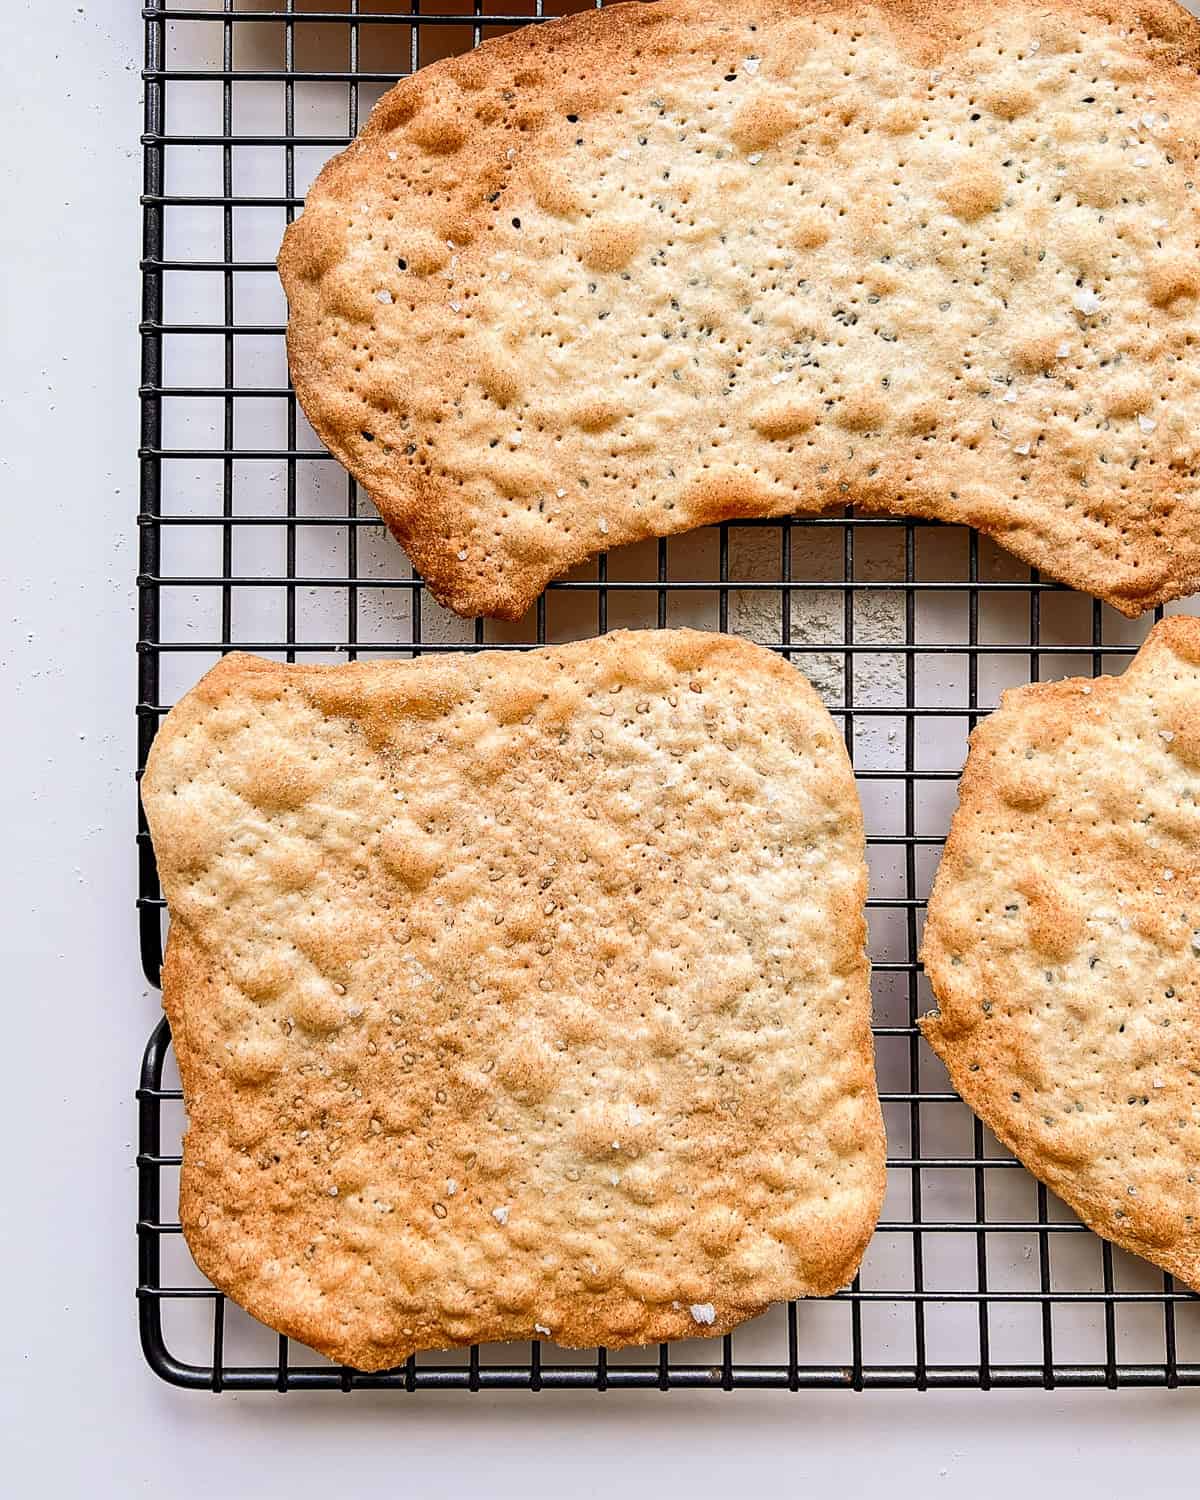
(79, 1412)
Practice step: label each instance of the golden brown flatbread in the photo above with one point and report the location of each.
(1063, 943)
(517, 995)
(662, 265)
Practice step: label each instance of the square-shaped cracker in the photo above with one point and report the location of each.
(518, 994)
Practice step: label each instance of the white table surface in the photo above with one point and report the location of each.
(79, 1411)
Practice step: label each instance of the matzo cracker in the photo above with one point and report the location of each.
(517, 993)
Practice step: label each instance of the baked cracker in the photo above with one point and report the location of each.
(517, 995)
(1063, 943)
(657, 266)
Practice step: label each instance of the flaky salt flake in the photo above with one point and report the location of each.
(560, 493)
(1035, 46)
(333, 1192)
(1159, 1084)
(451, 1187)
(1168, 874)
(462, 556)
(1086, 301)
(703, 1312)
(1147, 424)
(505, 275)
(751, 64)
(1009, 398)
(779, 378)
(1062, 351)
(1142, 160)
(383, 296)
(754, 158)
(624, 153)
(602, 526)
(541, 1328)
(1085, 690)
(393, 155)
(500, 1214)
(1021, 448)
(1166, 734)
(615, 1179)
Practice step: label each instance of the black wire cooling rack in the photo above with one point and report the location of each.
(251, 537)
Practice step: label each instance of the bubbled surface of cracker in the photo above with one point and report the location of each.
(1063, 943)
(660, 265)
(518, 995)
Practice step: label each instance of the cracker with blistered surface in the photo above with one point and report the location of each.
(1063, 943)
(517, 994)
(662, 265)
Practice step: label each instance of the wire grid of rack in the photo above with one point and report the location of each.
(252, 537)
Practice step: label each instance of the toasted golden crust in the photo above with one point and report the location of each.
(517, 994)
(662, 265)
(1062, 943)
